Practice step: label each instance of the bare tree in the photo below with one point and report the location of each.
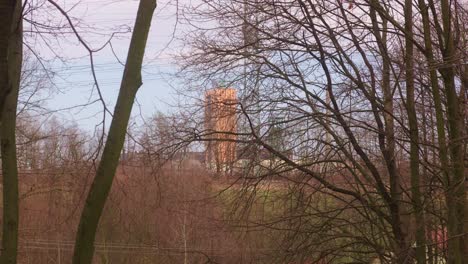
(131, 81)
(342, 78)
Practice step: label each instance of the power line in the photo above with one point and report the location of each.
(87, 66)
(109, 81)
(122, 248)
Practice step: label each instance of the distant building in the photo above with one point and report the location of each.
(221, 127)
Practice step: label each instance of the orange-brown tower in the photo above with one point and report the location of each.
(221, 124)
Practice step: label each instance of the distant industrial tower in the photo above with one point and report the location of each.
(221, 124)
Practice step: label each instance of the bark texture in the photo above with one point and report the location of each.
(11, 35)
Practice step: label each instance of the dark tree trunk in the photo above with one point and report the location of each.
(456, 192)
(131, 81)
(413, 136)
(11, 34)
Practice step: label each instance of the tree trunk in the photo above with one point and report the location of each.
(397, 208)
(435, 90)
(420, 234)
(9, 12)
(131, 81)
(11, 52)
(456, 192)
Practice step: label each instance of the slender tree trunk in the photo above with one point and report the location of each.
(463, 110)
(11, 50)
(456, 192)
(389, 151)
(414, 136)
(426, 111)
(464, 186)
(131, 81)
(435, 90)
(397, 208)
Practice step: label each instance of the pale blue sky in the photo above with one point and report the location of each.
(74, 79)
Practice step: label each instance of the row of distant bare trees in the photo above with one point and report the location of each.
(161, 209)
(370, 97)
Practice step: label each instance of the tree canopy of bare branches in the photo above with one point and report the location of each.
(359, 88)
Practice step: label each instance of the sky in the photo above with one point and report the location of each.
(96, 20)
